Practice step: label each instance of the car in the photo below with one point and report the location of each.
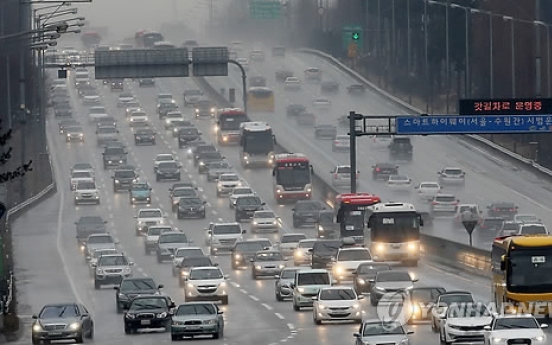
(399, 183)
(295, 109)
(204, 107)
(124, 98)
(307, 284)
(95, 255)
(313, 74)
(131, 109)
(283, 285)
(200, 149)
(347, 261)
(62, 125)
(508, 228)
(443, 302)
(67, 321)
(515, 329)
(206, 284)
(382, 171)
(178, 125)
(63, 109)
(130, 288)
(74, 133)
(281, 75)
(182, 184)
(356, 89)
(266, 263)
(452, 176)
(111, 269)
(105, 134)
(184, 321)
(138, 118)
(401, 149)
(173, 116)
(86, 192)
(187, 136)
(289, 242)
(532, 229)
(246, 206)
(88, 225)
(117, 84)
(420, 302)
(427, 190)
(337, 303)
(148, 312)
(181, 192)
(365, 273)
(108, 121)
(168, 171)
(191, 207)
(380, 141)
(162, 157)
(264, 220)
(341, 143)
(306, 212)
(443, 204)
(329, 86)
(278, 51)
(205, 158)
(147, 217)
(144, 136)
(223, 236)
(244, 62)
(506, 210)
(303, 253)
(526, 218)
(321, 103)
(341, 176)
(382, 331)
(326, 227)
(473, 213)
(465, 323)
(123, 178)
(78, 176)
(214, 169)
(140, 193)
(257, 55)
(389, 281)
(152, 237)
(164, 107)
(184, 260)
(97, 242)
(168, 242)
(306, 119)
(146, 82)
(257, 81)
(242, 252)
(113, 156)
(325, 131)
(191, 96)
(96, 114)
(292, 84)
(164, 97)
(237, 192)
(226, 182)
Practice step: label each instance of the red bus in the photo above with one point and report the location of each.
(351, 213)
(91, 39)
(292, 177)
(228, 125)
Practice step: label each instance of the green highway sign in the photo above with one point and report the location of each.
(352, 34)
(259, 9)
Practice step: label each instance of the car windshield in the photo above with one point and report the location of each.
(100, 239)
(227, 229)
(468, 208)
(337, 295)
(196, 309)
(228, 178)
(164, 158)
(205, 274)
(155, 231)
(118, 260)
(308, 206)
(515, 323)
(242, 191)
(190, 201)
(150, 214)
(73, 129)
(393, 276)
(126, 95)
(140, 187)
(292, 238)
(455, 298)
(491, 222)
(398, 178)
(184, 192)
(248, 200)
(148, 303)
(125, 174)
(202, 261)
(107, 130)
(270, 256)
(138, 114)
(306, 244)
(168, 165)
(173, 238)
(189, 131)
(354, 255)
(189, 252)
(90, 220)
(248, 247)
(527, 218)
(82, 166)
(144, 132)
(193, 93)
(211, 155)
(97, 110)
(86, 185)
(318, 278)
(81, 174)
(429, 186)
(372, 269)
(288, 273)
(59, 312)
(382, 328)
(98, 253)
(265, 214)
(453, 171)
(138, 284)
(445, 198)
(469, 311)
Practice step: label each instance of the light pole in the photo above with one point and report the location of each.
(547, 54)
(447, 67)
(513, 45)
(538, 55)
(467, 79)
(408, 36)
(426, 57)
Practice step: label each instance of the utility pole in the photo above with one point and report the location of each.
(352, 150)
(538, 80)
(22, 95)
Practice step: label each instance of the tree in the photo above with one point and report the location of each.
(6, 155)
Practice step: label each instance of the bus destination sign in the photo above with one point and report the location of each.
(512, 106)
(291, 165)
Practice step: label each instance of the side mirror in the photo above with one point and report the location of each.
(360, 297)
(356, 335)
(93, 265)
(116, 288)
(415, 280)
(334, 282)
(215, 264)
(220, 312)
(372, 280)
(172, 305)
(544, 325)
(88, 257)
(35, 317)
(276, 276)
(263, 204)
(131, 263)
(409, 332)
(310, 250)
(244, 231)
(251, 260)
(160, 286)
(487, 328)
(292, 285)
(226, 276)
(172, 256)
(438, 173)
(488, 207)
(314, 298)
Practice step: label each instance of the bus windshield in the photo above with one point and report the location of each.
(394, 227)
(258, 142)
(527, 270)
(260, 93)
(293, 176)
(232, 122)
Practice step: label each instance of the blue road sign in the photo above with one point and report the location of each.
(473, 124)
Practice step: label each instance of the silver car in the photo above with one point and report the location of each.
(99, 241)
(69, 321)
(112, 269)
(93, 259)
(382, 332)
(267, 263)
(282, 285)
(168, 243)
(444, 204)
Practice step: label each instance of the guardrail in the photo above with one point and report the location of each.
(440, 250)
(409, 108)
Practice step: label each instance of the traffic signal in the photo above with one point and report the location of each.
(355, 36)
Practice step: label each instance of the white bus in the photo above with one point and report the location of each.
(257, 144)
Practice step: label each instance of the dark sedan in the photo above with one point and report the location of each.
(295, 109)
(325, 132)
(131, 288)
(506, 210)
(421, 299)
(148, 312)
(329, 86)
(144, 136)
(191, 208)
(366, 272)
(168, 171)
(69, 321)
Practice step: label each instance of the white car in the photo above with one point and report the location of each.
(206, 284)
(341, 176)
(173, 116)
(289, 242)
(347, 262)
(238, 192)
(427, 190)
(83, 167)
(322, 103)
(164, 97)
(86, 192)
(148, 217)
(181, 253)
(162, 157)
(93, 259)
(292, 83)
(138, 118)
(337, 303)
(515, 329)
(130, 110)
(399, 183)
(465, 323)
(376, 331)
(80, 176)
(91, 98)
(381, 140)
(226, 183)
(532, 229)
(97, 114)
(341, 143)
(152, 237)
(452, 176)
(124, 99)
(526, 218)
(264, 220)
(244, 62)
(302, 254)
(257, 55)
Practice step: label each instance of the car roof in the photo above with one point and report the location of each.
(227, 223)
(453, 168)
(206, 268)
(100, 235)
(385, 164)
(447, 195)
(189, 248)
(294, 234)
(456, 292)
(150, 209)
(314, 270)
(257, 239)
(340, 287)
(267, 251)
(138, 278)
(61, 304)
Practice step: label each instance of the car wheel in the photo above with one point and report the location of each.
(157, 178)
(97, 285)
(373, 302)
(174, 337)
(159, 259)
(316, 321)
(279, 297)
(91, 332)
(434, 327)
(203, 215)
(167, 326)
(79, 339)
(224, 300)
(254, 276)
(296, 307)
(35, 341)
(128, 330)
(119, 307)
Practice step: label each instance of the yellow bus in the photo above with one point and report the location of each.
(260, 100)
(521, 267)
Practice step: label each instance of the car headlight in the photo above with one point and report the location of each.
(255, 222)
(162, 315)
(140, 222)
(539, 338)
(238, 256)
(168, 122)
(412, 246)
(210, 322)
(380, 248)
(404, 342)
(129, 316)
(213, 110)
(355, 306)
(201, 163)
(190, 151)
(74, 326)
(183, 273)
(274, 223)
(99, 271)
(309, 189)
(68, 135)
(339, 270)
(197, 110)
(123, 296)
(127, 270)
(190, 286)
(37, 327)
(258, 267)
(117, 181)
(321, 307)
(361, 281)
(497, 340)
(278, 190)
(282, 266)
(223, 284)
(301, 290)
(162, 221)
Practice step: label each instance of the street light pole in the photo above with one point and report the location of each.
(537, 23)
(426, 57)
(538, 55)
(513, 45)
(467, 72)
(447, 53)
(491, 60)
(408, 36)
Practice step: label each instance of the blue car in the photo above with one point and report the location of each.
(140, 193)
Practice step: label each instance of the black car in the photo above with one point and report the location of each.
(206, 157)
(243, 251)
(325, 225)
(131, 288)
(257, 81)
(506, 210)
(191, 208)
(421, 300)
(108, 121)
(181, 184)
(325, 132)
(366, 272)
(306, 212)
(329, 86)
(89, 225)
(144, 136)
(204, 107)
(148, 312)
(63, 109)
(382, 171)
(164, 107)
(190, 262)
(202, 149)
(68, 321)
(282, 75)
(123, 177)
(146, 82)
(114, 157)
(295, 109)
(246, 207)
(168, 171)
(491, 224)
(324, 253)
(117, 84)
(306, 119)
(356, 89)
(401, 148)
(188, 135)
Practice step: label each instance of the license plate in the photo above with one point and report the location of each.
(54, 334)
(145, 322)
(192, 328)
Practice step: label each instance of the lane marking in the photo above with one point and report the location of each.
(220, 220)
(280, 316)
(255, 298)
(291, 326)
(235, 284)
(267, 307)
(243, 291)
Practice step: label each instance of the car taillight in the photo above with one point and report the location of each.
(357, 175)
(512, 209)
(495, 209)
(336, 142)
(434, 203)
(378, 169)
(335, 175)
(455, 203)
